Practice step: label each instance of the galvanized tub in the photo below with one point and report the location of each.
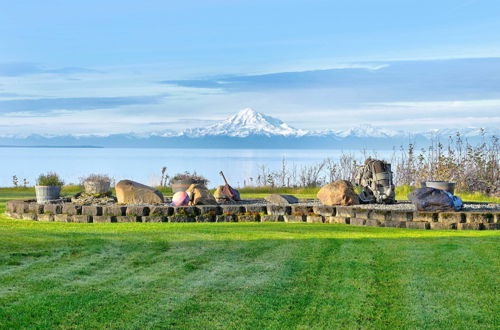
(180, 185)
(45, 194)
(441, 185)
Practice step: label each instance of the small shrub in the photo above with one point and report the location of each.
(96, 178)
(193, 177)
(49, 179)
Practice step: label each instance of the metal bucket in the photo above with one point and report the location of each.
(181, 185)
(96, 187)
(441, 185)
(45, 194)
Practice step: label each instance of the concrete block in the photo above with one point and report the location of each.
(324, 210)
(492, 226)
(272, 218)
(191, 211)
(209, 209)
(394, 224)
(345, 211)
(337, 219)
(52, 208)
(15, 215)
(128, 218)
(249, 217)
(362, 213)
(479, 217)
(10, 206)
(71, 209)
(62, 218)
(373, 223)
(470, 226)
(45, 217)
(29, 216)
(425, 217)
(451, 217)
(137, 211)
(302, 209)
(314, 219)
(380, 215)
(21, 207)
(81, 218)
(226, 218)
(103, 218)
(294, 218)
(443, 226)
(256, 208)
(401, 216)
(36, 208)
(155, 218)
(279, 210)
(91, 210)
(234, 209)
(181, 218)
(207, 217)
(114, 210)
(357, 222)
(417, 225)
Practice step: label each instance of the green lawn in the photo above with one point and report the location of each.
(244, 275)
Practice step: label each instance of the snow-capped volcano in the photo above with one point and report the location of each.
(245, 123)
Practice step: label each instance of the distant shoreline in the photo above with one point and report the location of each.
(75, 147)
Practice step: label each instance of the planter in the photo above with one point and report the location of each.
(96, 187)
(181, 185)
(45, 194)
(441, 185)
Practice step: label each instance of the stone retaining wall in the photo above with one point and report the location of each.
(303, 212)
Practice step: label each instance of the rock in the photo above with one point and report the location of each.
(279, 199)
(220, 196)
(431, 199)
(131, 192)
(340, 192)
(200, 195)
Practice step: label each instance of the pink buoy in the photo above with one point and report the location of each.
(180, 198)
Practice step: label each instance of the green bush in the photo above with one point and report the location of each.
(49, 179)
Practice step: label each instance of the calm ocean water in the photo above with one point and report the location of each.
(144, 165)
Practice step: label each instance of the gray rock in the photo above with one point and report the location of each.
(279, 199)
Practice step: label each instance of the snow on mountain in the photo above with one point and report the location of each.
(366, 131)
(464, 132)
(245, 123)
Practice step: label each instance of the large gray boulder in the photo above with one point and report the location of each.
(279, 199)
(339, 192)
(431, 199)
(131, 192)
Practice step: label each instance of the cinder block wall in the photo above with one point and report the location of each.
(303, 212)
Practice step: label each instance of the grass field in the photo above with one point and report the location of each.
(244, 275)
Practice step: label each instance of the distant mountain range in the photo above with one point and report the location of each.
(251, 129)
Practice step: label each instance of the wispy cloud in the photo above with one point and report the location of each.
(431, 80)
(15, 69)
(75, 103)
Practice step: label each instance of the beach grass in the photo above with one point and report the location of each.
(244, 275)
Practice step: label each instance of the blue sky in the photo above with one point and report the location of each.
(98, 67)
